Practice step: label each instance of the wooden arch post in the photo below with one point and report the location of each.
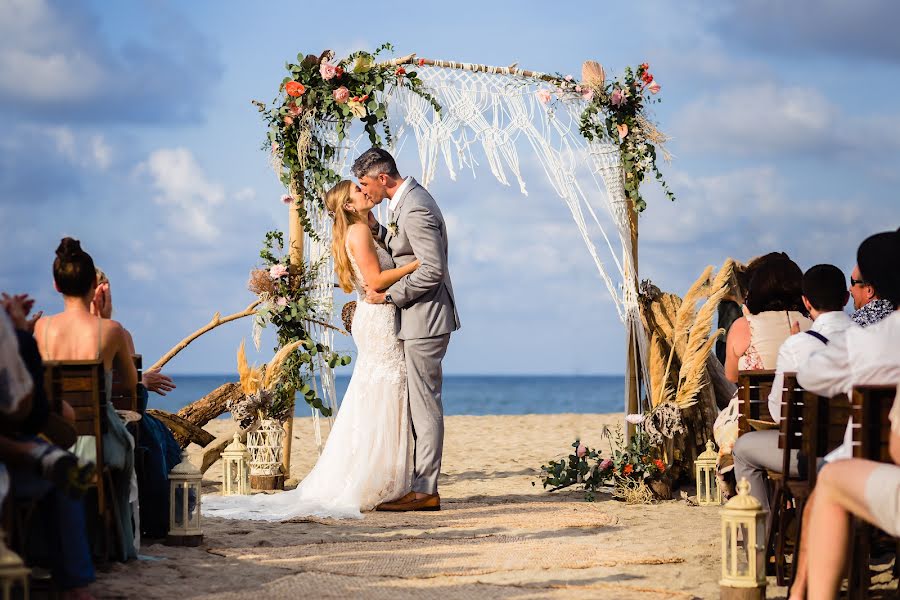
(295, 252)
(633, 383)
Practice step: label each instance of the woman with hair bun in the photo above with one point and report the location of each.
(76, 334)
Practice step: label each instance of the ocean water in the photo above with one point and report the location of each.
(462, 394)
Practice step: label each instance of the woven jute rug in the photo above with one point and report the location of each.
(428, 558)
(326, 585)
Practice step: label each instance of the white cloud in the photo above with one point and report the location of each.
(184, 191)
(766, 118)
(87, 152)
(141, 271)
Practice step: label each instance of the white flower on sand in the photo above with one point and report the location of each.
(635, 419)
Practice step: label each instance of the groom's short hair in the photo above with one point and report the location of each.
(375, 161)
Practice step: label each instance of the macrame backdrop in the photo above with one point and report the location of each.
(493, 113)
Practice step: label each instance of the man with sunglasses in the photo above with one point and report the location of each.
(870, 308)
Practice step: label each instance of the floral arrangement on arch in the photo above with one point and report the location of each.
(616, 110)
(627, 464)
(283, 290)
(320, 89)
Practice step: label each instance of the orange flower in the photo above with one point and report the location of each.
(421, 62)
(400, 72)
(660, 465)
(628, 469)
(294, 88)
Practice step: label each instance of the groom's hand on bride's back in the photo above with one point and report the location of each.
(373, 296)
(373, 223)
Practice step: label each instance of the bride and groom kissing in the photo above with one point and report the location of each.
(384, 450)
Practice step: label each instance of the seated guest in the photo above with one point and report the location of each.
(861, 356)
(76, 334)
(870, 306)
(773, 304)
(36, 471)
(160, 450)
(824, 296)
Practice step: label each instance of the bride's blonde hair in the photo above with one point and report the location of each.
(337, 199)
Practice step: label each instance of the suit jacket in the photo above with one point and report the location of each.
(425, 295)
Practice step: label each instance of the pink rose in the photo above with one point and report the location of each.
(341, 95)
(617, 98)
(327, 70)
(654, 88)
(288, 120)
(278, 271)
(544, 96)
(606, 464)
(287, 199)
(568, 78)
(580, 451)
(294, 110)
(587, 93)
(281, 301)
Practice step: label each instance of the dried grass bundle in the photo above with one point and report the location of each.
(273, 371)
(251, 377)
(684, 318)
(592, 74)
(261, 283)
(633, 491)
(692, 375)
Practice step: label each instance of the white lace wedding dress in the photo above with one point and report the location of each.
(367, 459)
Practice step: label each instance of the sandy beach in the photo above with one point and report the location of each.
(497, 535)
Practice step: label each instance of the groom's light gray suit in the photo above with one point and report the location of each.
(428, 315)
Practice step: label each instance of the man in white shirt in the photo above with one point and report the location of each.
(824, 296)
(866, 489)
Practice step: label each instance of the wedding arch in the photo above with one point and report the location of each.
(592, 137)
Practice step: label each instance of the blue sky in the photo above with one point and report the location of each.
(128, 125)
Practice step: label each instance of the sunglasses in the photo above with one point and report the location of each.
(857, 282)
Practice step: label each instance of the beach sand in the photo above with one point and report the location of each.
(497, 535)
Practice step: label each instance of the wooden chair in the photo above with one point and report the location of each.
(753, 397)
(870, 406)
(813, 426)
(81, 383)
(125, 399)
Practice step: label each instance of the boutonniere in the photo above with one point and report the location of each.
(392, 227)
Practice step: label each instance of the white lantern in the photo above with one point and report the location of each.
(184, 504)
(236, 469)
(708, 492)
(264, 445)
(12, 570)
(743, 546)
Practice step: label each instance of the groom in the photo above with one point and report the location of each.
(416, 230)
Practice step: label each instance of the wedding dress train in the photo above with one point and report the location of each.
(367, 458)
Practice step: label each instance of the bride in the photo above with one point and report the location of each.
(367, 459)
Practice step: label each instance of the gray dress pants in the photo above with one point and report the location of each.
(425, 379)
(755, 453)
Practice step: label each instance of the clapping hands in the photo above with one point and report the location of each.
(18, 307)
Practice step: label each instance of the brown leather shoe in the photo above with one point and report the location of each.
(398, 501)
(432, 502)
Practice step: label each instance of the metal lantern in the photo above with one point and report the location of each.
(743, 546)
(236, 469)
(184, 504)
(12, 570)
(708, 492)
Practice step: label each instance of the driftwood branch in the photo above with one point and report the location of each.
(185, 432)
(214, 322)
